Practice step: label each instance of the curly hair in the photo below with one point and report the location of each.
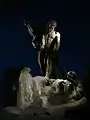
(52, 22)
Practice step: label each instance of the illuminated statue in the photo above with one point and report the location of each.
(48, 48)
(34, 91)
(47, 92)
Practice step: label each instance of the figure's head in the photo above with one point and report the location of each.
(71, 74)
(51, 25)
(72, 77)
(26, 70)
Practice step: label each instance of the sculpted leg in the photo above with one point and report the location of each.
(39, 58)
(41, 61)
(48, 68)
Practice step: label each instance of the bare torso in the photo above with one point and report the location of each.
(48, 38)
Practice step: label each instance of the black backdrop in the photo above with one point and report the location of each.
(16, 50)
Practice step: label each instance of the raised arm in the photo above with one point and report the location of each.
(30, 30)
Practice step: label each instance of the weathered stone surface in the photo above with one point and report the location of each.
(41, 113)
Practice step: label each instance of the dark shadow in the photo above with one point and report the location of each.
(86, 83)
(10, 79)
(82, 111)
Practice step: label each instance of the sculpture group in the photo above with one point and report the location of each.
(35, 91)
(47, 47)
(47, 90)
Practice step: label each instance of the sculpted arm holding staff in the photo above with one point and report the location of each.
(48, 45)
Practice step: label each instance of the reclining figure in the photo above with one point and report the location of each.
(35, 91)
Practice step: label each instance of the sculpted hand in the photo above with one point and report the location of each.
(26, 23)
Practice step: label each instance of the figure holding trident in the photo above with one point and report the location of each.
(48, 47)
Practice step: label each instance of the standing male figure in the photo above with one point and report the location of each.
(48, 48)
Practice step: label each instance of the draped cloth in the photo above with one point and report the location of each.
(25, 92)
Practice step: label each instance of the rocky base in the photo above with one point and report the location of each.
(42, 94)
(33, 112)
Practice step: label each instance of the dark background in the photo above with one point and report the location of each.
(16, 51)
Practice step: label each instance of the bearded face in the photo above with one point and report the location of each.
(51, 25)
